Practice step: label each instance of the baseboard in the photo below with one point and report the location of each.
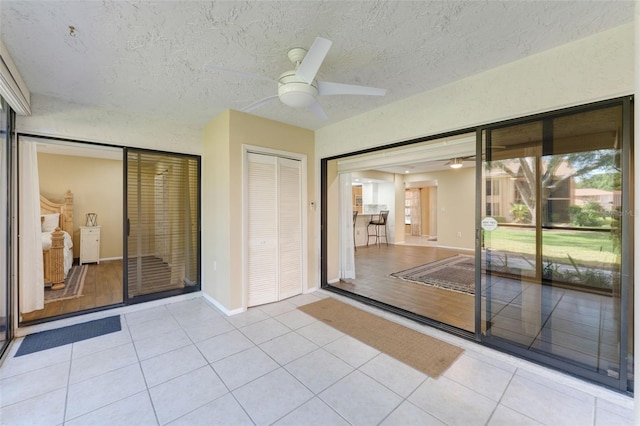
(220, 307)
(457, 248)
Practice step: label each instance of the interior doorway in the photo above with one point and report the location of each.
(420, 213)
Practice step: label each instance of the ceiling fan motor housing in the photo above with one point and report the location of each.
(295, 92)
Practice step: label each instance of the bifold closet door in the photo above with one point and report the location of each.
(274, 210)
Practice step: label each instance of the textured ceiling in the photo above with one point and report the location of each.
(148, 58)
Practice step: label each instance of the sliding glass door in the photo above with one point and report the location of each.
(162, 229)
(555, 239)
(6, 116)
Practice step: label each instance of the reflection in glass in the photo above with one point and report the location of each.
(552, 267)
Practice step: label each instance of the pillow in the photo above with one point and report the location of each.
(50, 222)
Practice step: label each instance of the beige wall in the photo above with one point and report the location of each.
(594, 68)
(224, 138)
(455, 212)
(97, 188)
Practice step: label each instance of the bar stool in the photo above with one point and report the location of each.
(378, 224)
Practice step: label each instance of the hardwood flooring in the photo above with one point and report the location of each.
(374, 264)
(102, 287)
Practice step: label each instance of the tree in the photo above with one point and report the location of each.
(555, 171)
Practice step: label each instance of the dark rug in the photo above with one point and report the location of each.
(424, 353)
(63, 336)
(74, 283)
(456, 273)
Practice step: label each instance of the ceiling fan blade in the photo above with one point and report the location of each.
(214, 68)
(259, 103)
(328, 88)
(316, 108)
(313, 59)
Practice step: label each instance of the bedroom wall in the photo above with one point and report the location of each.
(97, 188)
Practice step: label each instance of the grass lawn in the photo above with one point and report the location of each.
(588, 248)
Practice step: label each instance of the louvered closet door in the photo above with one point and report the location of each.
(290, 228)
(274, 261)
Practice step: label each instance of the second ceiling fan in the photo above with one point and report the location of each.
(298, 88)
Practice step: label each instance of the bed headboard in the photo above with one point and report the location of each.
(65, 209)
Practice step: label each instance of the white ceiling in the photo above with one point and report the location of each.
(147, 58)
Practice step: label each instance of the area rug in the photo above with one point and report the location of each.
(456, 273)
(74, 283)
(424, 353)
(63, 336)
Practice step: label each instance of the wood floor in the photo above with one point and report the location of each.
(374, 264)
(102, 287)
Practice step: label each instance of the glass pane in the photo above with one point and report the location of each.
(551, 238)
(509, 244)
(162, 212)
(420, 258)
(581, 202)
(4, 260)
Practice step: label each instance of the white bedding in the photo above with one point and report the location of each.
(68, 249)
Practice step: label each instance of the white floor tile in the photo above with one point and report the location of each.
(133, 410)
(224, 345)
(102, 362)
(351, 351)
(46, 409)
(13, 366)
(505, 416)
(393, 374)
(199, 331)
(479, 376)
(408, 414)
(360, 399)
(263, 331)
(295, 319)
(223, 411)
(452, 403)
(277, 308)
(161, 343)
(320, 333)
(305, 299)
(100, 343)
(271, 397)
(318, 379)
(243, 367)
(147, 329)
(547, 405)
(172, 364)
(251, 316)
(103, 390)
(33, 383)
(312, 413)
(288, 347)
(149, 314)
(177, 397)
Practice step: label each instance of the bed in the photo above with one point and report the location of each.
(57, 245)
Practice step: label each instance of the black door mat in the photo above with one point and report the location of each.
(63, 336)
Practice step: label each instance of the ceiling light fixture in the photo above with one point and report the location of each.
(456, 163)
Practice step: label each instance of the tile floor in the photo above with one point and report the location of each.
(185, 363)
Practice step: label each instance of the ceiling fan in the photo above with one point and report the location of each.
(298, 88)
(456, 163)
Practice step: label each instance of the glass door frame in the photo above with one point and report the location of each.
(126, 228)
(7, 169)
(621, 383)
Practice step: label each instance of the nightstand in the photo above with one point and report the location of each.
(89, 244)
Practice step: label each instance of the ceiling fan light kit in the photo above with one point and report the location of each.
(299, 88)
(296, 93)
(456, 163)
